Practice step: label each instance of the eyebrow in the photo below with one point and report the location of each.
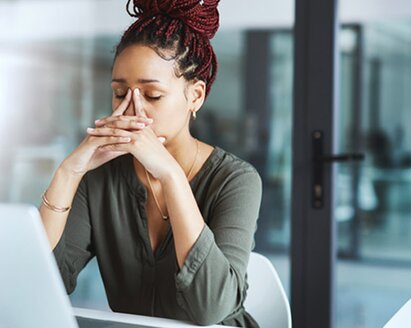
(142, 81)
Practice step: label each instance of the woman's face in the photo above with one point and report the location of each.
(165, 98)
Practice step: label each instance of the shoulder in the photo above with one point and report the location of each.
(232, 173)
(231, 166)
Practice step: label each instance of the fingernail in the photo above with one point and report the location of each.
(96, 121)
(161, 139)
(137, 91)
(140, 125)
(150, 120)
(90, 130)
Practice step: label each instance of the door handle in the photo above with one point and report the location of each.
(319, 160)
(352, 157)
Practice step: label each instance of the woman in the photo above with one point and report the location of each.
(170, 219)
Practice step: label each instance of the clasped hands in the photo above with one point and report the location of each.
(117, 135)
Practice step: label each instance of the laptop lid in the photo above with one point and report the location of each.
(32, 293)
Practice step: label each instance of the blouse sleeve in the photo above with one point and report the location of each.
(211, 285)
(74, 250)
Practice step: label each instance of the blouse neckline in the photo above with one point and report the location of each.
(137, 187)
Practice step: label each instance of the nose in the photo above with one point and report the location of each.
(130, 110)
(136, 106)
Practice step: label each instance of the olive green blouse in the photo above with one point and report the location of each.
(108, 220)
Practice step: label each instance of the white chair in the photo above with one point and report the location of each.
(266, 299)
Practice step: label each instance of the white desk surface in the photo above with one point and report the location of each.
(402, 318)
(134, 319)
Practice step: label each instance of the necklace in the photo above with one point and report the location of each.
(165, 217)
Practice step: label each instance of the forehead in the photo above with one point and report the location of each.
(141, 62)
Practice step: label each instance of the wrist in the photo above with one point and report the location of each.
(172, 174)
(68, 174)
(58, 197)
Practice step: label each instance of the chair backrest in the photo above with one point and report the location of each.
(266, 299)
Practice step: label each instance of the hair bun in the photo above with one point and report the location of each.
(200, 15)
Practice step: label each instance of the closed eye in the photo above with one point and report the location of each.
(151, 98)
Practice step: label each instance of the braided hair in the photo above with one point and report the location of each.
(177, 30)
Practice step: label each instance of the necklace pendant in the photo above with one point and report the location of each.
(165, 217)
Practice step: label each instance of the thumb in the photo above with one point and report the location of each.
(138, 104)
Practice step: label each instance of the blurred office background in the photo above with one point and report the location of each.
(55, 73)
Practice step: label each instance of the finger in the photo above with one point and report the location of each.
(126, 125)
(102, 141)
(124, 104)
(150, 130)
(110, 119)
(108, 132)
(118, 147)
(138, 104)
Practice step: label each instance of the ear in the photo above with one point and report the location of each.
(197, 91)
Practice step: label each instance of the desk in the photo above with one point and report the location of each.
(402, 318)
(134, 319)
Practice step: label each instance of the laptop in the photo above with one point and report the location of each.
(32, 293)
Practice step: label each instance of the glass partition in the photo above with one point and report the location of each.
(55, 85)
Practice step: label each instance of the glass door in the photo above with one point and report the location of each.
(373, 209)
(351, 99)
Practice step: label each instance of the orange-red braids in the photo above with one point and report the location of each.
(185, 26)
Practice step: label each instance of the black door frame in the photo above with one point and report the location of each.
(313, 232)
